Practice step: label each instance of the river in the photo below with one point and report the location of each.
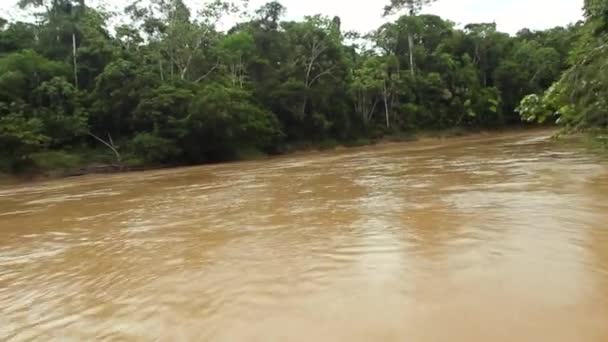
(501, 237)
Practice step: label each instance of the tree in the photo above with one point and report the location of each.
(269, 14)
(59, 107)
(236, 49)
(16, 37)
(22, 72)
(117, 93)
(315, 41)
(365, 88)
(488, 48)
(221, 120)
(22, 130)
(61, 17)
(576, 99)
(413, 7)
(597, 12)
(20, 136)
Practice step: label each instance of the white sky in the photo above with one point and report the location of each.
(510, 15)
(365, 15)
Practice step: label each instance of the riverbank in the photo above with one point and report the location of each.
(64, 164)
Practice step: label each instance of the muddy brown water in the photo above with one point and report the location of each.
(495, 238)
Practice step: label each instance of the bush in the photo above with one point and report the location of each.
(56, 160)
(154, 149)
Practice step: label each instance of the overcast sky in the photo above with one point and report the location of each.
(365, 15)
(510, 15)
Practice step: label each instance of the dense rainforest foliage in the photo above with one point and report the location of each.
(167, 86)
(578, 100)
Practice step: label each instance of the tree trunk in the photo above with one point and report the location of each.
(233, 74)
(385, 95)
(360, 107)
(410, 40)
(304, 106)
(217, 64)
(241, 71)
(75, 61)
(370, 114)
(316, 50)
(160, 69)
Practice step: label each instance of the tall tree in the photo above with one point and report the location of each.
(315, 42)
(413, 7)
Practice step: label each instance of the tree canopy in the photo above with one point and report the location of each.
(168, 86)
(578, 98)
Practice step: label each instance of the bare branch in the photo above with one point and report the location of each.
(326, 72)
(369, 116)
(109, 144)
(217, 64)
